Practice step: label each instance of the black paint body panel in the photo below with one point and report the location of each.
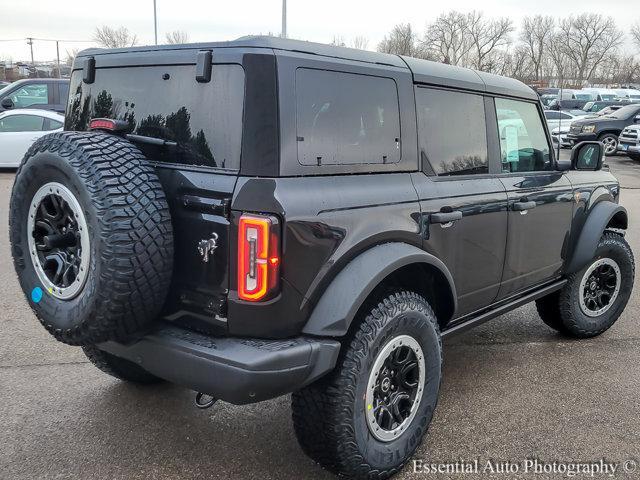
(331, 215)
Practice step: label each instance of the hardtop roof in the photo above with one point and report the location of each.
(424, 71)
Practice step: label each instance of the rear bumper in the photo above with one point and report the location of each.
(627, 146)
(236, 370)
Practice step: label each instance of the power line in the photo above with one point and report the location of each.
(44, 40)
(60, 40)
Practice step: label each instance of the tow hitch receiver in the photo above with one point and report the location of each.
(204, 401)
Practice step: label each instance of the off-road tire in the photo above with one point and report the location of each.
(329, 415)
(130, 236)
(119, 367)
(561, 310)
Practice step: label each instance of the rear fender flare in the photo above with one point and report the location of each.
(340, 302)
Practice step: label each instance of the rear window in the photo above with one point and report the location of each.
(204, 119)
(345, 118)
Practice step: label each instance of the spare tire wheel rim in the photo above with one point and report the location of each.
(600, 287)
(58, 240)
(395, 388)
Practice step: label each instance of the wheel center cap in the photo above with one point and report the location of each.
(593, 285)
(386, 384)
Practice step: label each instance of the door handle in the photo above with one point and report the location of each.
(445, 217)
(524, 206)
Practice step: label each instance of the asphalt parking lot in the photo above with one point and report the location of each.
(513, 389)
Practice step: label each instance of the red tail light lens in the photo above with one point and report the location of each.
(258, 257)
(108, 124)
(102, 124)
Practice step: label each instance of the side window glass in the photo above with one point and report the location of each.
(29, 95)
(345, 118)
(523, 142)
(63, 90)
(21, 123)
(551, 115)
(452, 132)
(50, 124)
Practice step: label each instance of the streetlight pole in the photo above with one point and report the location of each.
(155, 22)
(284, 19)
(58, 58)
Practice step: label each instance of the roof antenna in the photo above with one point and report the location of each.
(560, 117)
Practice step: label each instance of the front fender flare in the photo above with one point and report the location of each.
(340, 302)
(592, 231)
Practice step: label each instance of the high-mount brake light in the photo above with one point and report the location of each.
(258, 257)
(108, 124)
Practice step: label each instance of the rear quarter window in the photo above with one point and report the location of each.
(166, 102)
(346, 118)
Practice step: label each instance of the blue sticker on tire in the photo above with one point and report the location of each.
(36, 294)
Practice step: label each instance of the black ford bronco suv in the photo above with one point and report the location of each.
(265, 216)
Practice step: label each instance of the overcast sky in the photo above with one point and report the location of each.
(206, 20)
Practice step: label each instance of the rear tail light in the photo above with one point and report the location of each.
(258, 257)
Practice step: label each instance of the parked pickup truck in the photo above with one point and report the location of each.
(629, 142)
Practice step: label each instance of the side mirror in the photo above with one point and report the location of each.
(563, 165)
(587, 156)
(6, 103)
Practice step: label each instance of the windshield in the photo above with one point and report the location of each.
(584, 96)
(625, 112)
(5, 89)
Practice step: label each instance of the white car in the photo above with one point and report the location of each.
(20, 128)
(557, 118)
(559, 135)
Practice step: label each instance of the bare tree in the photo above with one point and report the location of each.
(515, 64)
(588, 39)
(109, 37)
(635, 34)
(536, 34)
(338, 41)
(401, 41)
(573, 50)
(176, 37)
(360, 42)
(446, 40)
(487, 36)
(71, 56)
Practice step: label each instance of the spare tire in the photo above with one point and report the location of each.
(91, 237)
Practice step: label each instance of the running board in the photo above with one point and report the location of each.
(464, 325)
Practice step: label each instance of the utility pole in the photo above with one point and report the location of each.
(30, 43)
(155, 22)
(284, 19)
(58, 58)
